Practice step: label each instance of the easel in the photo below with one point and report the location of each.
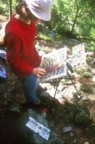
(58, 81)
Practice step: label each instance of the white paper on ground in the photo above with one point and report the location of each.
(38, 128)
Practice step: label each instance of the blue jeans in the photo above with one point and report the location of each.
(30, 85)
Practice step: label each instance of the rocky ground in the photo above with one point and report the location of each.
(70, 114)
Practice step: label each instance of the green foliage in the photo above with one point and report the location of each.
(60, 21)
(3, 7)
(77, 113)
(44, 36)
(90, 46)
(93, 124)
(87, 75)
(81, 70)
(73, 17)
(82, 117)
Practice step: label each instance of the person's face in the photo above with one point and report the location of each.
(29, 15)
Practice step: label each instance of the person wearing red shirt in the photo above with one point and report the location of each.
(21, 52)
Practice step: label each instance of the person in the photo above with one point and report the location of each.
(22, 56)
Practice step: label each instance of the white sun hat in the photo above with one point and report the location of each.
(40, 8)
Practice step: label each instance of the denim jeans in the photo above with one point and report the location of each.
(30, 85)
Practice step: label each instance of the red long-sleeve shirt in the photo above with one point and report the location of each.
(21, 53)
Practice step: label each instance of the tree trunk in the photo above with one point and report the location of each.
(10, 8)
(76, 16)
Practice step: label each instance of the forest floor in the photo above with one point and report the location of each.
(69, 111)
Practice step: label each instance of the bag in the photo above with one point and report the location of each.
(3, 74)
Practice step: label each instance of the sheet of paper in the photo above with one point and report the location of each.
(55, 64)
(38, 128)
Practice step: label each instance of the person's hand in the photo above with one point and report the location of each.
(35, 40)
(39, 71)
(1, 39)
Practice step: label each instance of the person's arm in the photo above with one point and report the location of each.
(14, 48)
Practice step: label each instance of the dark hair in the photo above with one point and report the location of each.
(18, 7)
(19, 10)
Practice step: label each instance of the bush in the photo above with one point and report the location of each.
(87, 75)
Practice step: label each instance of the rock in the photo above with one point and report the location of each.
(15, 108)
(86, 143)
(31, 136)
(67, 129)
